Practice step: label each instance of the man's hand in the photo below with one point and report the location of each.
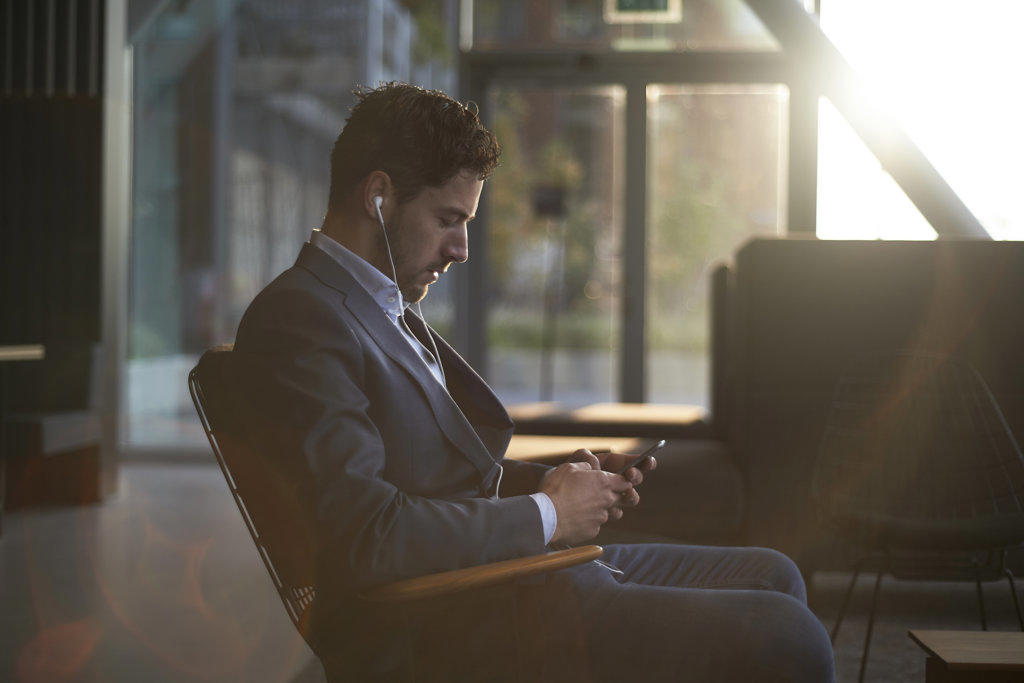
(613, 462)
(584, 499)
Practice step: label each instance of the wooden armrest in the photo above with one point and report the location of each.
(458, 580)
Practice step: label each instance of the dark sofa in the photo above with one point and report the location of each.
(802, 308)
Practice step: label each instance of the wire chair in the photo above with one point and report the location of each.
(276, 512)
(917, 459)
(263, 500)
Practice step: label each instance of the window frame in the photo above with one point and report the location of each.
(480, 71)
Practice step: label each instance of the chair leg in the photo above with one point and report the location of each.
(871, 626)
(1013, 593)
(846, 599)
(981, 599)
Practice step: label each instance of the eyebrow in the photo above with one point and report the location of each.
(456, 211)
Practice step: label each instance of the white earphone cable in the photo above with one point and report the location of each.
(377, 201)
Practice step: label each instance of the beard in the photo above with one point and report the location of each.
(413, 294)
(401, 255)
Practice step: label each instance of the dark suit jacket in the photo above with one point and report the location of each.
(398, 473)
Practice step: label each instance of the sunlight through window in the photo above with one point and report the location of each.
(949, 71)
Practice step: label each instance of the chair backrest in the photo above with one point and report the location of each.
(918, 437)
(267, 501)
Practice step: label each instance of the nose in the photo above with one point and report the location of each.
(457, 247)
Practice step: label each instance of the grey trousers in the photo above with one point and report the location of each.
(676, 613)
(680, 613)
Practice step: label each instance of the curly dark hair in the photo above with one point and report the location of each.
(420, 138)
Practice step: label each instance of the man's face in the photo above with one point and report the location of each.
(428, 232)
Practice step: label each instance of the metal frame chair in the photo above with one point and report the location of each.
(297, 599)
(286, 547)
(919, 464)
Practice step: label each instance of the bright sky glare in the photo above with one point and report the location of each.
(951, 71)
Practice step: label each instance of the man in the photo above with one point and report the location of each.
(397, 446)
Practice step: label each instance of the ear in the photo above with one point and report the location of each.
(377, 184)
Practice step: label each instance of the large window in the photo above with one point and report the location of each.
(715, 176)
(621, 185)
(584, 310)
(554, 235)
(236, 107)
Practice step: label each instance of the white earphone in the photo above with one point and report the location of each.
(377, 202)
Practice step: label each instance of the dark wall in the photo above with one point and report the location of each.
(50, 184)
(50, 199)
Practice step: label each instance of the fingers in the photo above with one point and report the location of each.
(619, 483)
(628, 499)
(615, 461)
(634, 476)
(585, 456)
(577, 466)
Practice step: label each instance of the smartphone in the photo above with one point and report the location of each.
(643, 456)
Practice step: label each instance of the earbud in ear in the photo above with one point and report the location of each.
(378, 200)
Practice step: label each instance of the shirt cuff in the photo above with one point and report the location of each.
(548, 516)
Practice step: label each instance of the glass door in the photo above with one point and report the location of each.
(716, 175)
(553, 243)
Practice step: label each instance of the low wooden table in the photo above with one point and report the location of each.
(982, 656)
(22, 352)
(648, 420)
(552, 450)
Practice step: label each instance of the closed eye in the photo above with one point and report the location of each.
(451, 217)
(452, 221)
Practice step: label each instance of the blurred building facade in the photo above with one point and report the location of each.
(236, 107)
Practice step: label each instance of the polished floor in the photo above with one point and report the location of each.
(162, 583)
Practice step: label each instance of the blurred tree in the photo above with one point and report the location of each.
(548, 157)
(433, 43)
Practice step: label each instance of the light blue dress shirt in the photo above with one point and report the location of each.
(387, 295)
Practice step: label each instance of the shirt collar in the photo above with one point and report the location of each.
(378, 285)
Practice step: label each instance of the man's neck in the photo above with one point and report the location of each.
(362, 242)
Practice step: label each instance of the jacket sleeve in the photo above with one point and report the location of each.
(300, 369)
(521, 478)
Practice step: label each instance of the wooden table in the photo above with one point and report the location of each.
(10, 354)
(648, 420)
(552, 450)
(982, 656)
(22, 352)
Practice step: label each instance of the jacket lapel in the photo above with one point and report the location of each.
(469, 391)
(392, 342)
